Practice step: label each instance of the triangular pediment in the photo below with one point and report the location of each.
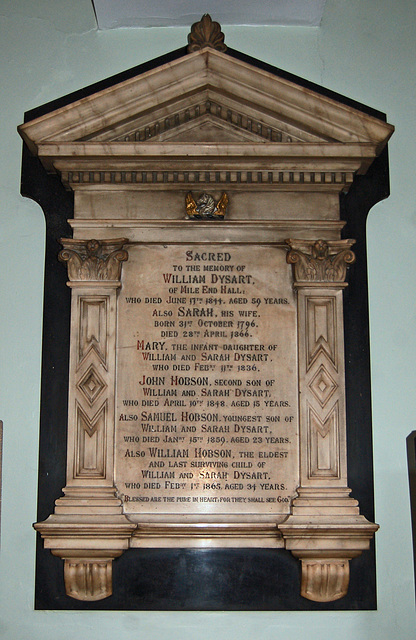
(248, 98)
(213, 99)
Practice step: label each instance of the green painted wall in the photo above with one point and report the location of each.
(365, 50)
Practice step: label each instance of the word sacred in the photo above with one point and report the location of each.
(208, 256)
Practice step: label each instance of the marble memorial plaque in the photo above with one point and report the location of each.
(206, 402)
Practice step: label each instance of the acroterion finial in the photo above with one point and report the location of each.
(206, 33)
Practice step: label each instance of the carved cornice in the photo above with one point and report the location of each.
(206, 33)
(91, 260)
(237, 119)
(320, 261)
(230, 177)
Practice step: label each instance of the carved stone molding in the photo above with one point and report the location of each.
(88, 545)
(206, 33)
(325, 529)
(88, 528)
(320, 261)
(93, 259)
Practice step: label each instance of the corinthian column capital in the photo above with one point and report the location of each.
(92, 260)
(320, 261)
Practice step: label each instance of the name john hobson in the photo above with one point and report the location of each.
(201, 381)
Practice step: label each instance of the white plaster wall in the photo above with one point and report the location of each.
(365, 50)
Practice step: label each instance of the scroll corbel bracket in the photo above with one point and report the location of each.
(88, 574)
(88, 579)
(325, 580)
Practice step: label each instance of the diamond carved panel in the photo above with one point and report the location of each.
(91, 385)
(323, 386)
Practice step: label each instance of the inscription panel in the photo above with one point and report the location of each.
(206, 408)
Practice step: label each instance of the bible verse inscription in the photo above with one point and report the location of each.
(206, 413)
